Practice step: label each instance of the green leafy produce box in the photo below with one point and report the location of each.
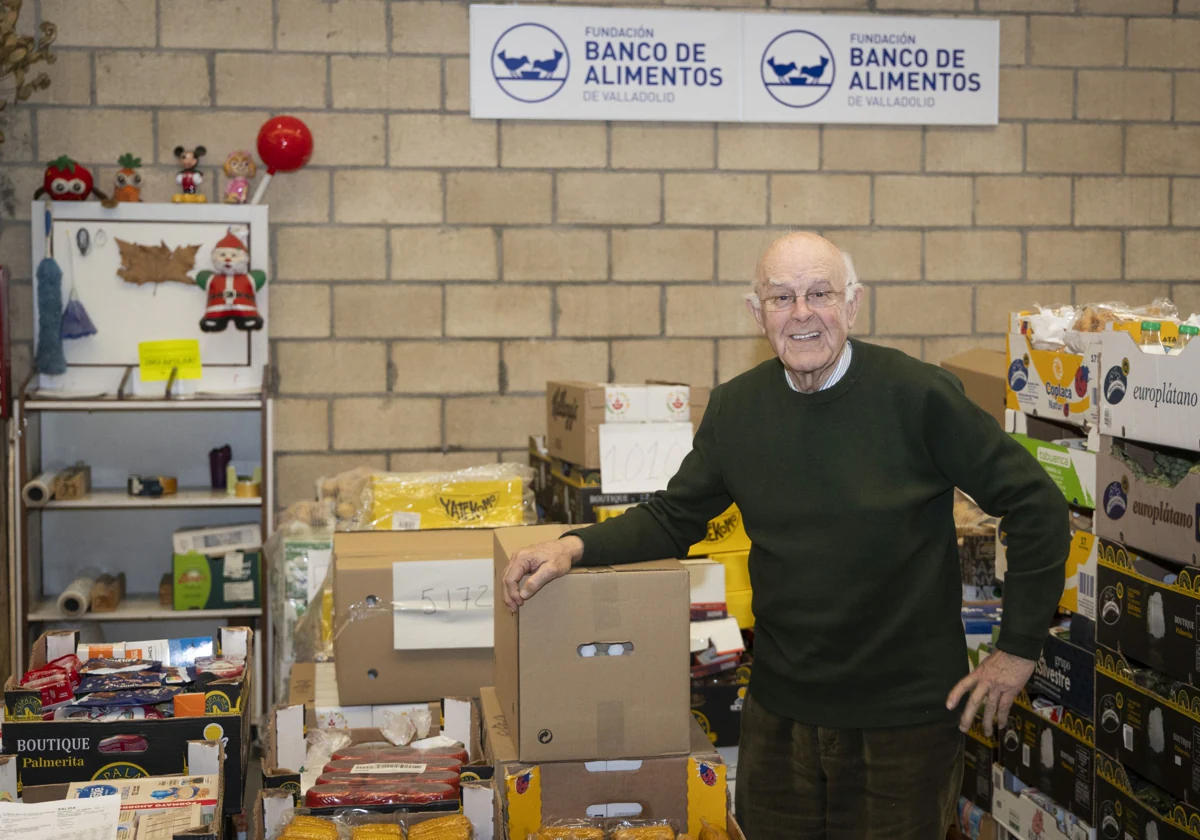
(227, 581)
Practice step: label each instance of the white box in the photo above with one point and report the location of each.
(1149, 397)
(218, 539)
(1018, 814)
(1057, 385)
(707, 579)
(647, 404)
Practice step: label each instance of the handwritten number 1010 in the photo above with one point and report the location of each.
(455, 598)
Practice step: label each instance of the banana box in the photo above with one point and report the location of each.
(1047, 383)
(1148, 722)
(1129, 807)
(1054, 754)
(1066, 454)
(1027, 813)
(977, 765)
(1148, 396)
(1079, 587)
(726, 533)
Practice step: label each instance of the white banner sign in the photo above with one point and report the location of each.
(582, 63)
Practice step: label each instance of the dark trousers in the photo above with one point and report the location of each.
(799, 782)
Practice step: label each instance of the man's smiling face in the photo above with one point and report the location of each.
(803, 311)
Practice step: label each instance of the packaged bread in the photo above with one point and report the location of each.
(454, 827)
(303, 827)
(708, 831)
(645, 832)
(571, 831)
(377, 831)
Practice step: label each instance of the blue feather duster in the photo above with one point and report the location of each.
(50, 358)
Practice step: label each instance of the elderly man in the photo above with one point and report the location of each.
(843, 457)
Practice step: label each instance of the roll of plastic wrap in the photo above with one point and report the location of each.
(76, 598)
(41, 490)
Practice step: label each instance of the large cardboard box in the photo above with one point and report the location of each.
(1149, 724)
(1144, 514)
(594, 667)
(1045, 383)
(1021, 814)
(63, 751)
(575, 410)
(1079, 586)
(982, 373)
(371, 671)
(682, 789)
(1055, 757)
(1148, 612)
(1128, 810)
(1065, 673)
(1072, 469)
(1149, 397)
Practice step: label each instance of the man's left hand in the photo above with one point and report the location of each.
(996, 683)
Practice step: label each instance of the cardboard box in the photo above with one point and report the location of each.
(1132, 810)
(273, 810)
(576, 502)
(575, 410)
(982, 373)
(218, 539)
(1079, 588)
(539, 461)
(978, 757)
(63, 751)
(314, 685)
(217, 582)
(1147, 619)
(1065, 673)
(566, 693)
(1148, 730)
(1056, 758)
(1045, 383)
(1072, 469)
(1149, 397)
(370, 671)
(1143, 515)
(206, 757)
(1023, 815)
(717, 707)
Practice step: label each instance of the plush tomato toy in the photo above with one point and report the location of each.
(66, 180)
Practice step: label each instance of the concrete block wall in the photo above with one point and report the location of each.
(431, 271)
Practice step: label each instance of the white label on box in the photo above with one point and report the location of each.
(235, 565)
(641, 457)
(318, 567)
(625, 404)
(668, 403)
(388, 767)
(442, 604)
(241, 592)
(406, 521)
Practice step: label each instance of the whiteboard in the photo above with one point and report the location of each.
(126, 314)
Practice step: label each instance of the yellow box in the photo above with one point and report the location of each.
(737, 569)
(1079, 585)
(738, 604)
(726, 533)
(404, 504)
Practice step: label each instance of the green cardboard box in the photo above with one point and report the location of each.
(227, 581)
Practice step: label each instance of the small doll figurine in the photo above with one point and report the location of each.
(190, 178)
(129, 180)
(66, 180)
(231, 288)
(239, 169)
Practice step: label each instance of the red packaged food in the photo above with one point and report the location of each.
(383, 751)
(338, 796)
(443, 777)
(52, 683)
(347, 765)
(70, 664)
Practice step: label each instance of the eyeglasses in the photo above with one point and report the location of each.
(784, 300)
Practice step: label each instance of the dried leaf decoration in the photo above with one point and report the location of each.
(156, 263)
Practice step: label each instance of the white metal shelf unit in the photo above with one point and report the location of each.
(100, 412)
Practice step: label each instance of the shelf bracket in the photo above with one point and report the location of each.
(121, 392)
(170, 394)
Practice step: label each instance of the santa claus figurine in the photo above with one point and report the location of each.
(231, 288)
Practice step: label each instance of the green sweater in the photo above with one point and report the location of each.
(847, 496)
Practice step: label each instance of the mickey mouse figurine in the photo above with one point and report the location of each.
(189, 178)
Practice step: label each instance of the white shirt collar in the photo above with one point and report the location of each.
(843, 365)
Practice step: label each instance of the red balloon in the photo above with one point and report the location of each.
(285, 144)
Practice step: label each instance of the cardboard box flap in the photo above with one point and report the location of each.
(648, 566)
(367, 549)
(235, 641)
(499, 746)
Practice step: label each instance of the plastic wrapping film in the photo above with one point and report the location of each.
(298, 563)
(487, 496)
(362, 825)
(1065, 327)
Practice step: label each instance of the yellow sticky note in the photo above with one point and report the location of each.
(156, 359)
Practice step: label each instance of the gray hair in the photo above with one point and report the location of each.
(852, 283)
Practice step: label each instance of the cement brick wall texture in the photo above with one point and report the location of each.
(431, 271)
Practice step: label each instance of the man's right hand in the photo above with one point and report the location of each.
(542, 563)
